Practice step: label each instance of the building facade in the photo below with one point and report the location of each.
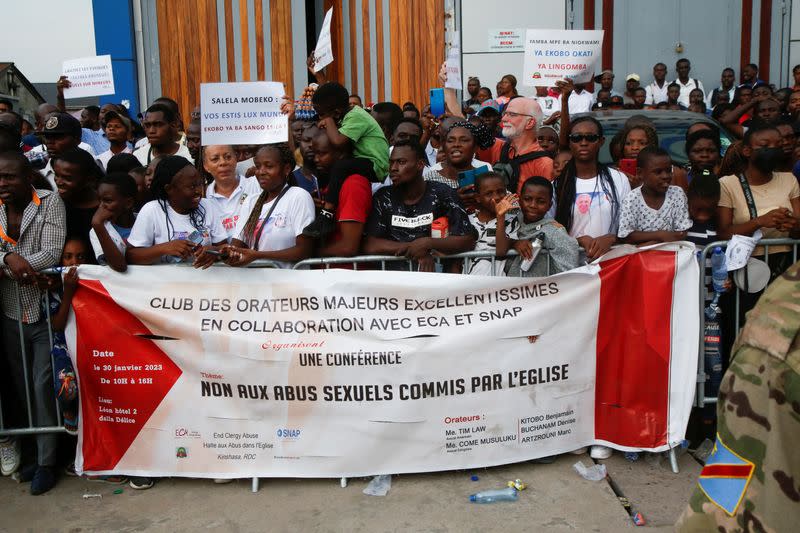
(392, 49)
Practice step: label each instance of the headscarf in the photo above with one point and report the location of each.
(483, 137)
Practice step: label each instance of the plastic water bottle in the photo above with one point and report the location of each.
(719, 270)
(508, 494)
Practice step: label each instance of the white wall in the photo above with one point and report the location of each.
(478, 17)
(39, 34)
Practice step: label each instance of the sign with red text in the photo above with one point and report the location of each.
(453, 64)
(229, 373)
(89, 76)
(506, 40)
(242, 113)
(552, 55)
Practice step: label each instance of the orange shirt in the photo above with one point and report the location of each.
(542, 166)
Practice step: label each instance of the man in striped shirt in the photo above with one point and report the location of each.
(32, 232)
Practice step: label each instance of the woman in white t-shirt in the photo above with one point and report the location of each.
(589, 194)
(179, 225)
(271, 224)
(229, 191)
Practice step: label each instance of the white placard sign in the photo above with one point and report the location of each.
(242, 113)
(505, 40)
(454, 78)
(90, 76)
(552, 55)
(323, 53)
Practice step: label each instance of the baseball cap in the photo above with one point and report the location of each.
(122, 118)
(607, 71)
(632, 76)
(61, 123)
(489, 104)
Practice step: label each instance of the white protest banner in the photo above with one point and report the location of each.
(552, 55)
(506, 40)
(229, 373)
(323, 53)
(453, 66)
(89, 76)
(242, 113)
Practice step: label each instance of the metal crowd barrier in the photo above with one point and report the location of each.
(371, 262)
(368, 262)
(31, 429)
(701, 399)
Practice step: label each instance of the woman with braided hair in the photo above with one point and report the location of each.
(179, 224)
(271, 224)
(589, 194)
(459, 145)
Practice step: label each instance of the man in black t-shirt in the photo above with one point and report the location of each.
(403, 213)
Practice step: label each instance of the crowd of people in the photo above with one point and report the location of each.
(495, 173)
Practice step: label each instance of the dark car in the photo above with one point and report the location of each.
(671, 127)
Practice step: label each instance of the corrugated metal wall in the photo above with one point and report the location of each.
(383, 49)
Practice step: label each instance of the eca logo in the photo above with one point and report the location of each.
(181, 432)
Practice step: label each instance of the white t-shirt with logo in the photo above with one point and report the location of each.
(116, 238)
(151, 226)
(230, 207)
(549, 104)
(294, 212)
(593, 208)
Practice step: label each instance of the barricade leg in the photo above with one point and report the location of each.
(673, 461)
(23, 360)
(255, 485)
(32, 372)
(343, 482)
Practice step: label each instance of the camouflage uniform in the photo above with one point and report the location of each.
(758, 425)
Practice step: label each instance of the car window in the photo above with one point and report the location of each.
(670, 137)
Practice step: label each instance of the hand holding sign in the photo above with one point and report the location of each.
(551, 55)
(323, 54)
(87, 76)
(243, 113)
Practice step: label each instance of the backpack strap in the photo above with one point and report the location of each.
(516, 164)
(504, 152)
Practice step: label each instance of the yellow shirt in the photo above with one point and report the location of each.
(776, 193)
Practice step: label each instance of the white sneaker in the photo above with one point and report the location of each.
(9, 456)
(580, 451)
(600, 452)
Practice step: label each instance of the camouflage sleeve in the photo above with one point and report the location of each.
(751, 482)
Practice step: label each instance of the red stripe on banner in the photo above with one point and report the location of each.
(122, 377)
(633, 349)
(742, 471)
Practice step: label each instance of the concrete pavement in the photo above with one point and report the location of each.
(557, 499)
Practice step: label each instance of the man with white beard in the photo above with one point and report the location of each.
(520, 155)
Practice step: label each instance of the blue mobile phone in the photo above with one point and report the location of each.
(466, 178)
(437, 102)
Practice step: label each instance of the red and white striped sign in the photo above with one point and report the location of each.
(240, 373)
